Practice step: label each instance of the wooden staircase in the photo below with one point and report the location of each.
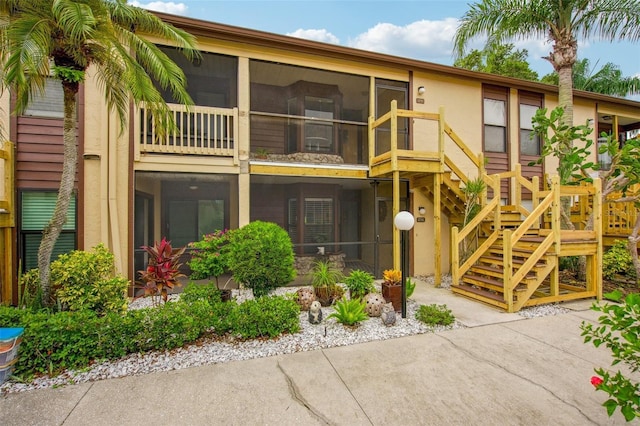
(486, 278)
(452, 198)
(515, 261)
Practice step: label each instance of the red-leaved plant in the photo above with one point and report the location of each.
(164, 269)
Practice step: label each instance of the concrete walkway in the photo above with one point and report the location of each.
(501, 370)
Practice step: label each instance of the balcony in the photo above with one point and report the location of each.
(200, 132)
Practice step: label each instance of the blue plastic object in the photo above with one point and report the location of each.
(11, 333)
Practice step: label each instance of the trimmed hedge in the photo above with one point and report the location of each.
(53, 342)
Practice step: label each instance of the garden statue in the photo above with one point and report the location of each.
(315, 313)
(374, 302)
(306, 296)
(388, 314)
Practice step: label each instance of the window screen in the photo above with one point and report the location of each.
(50, 103)
(495, 125)
(37, 209)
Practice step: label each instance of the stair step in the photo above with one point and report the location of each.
(497, 260)
(496, 272)
(464, 288)
(484, 282)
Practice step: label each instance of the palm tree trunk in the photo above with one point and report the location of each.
(52, 231)
(565, 93)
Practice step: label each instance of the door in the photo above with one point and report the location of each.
(387, 91)
(142, 229)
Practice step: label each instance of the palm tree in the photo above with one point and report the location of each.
(608, 80)
(67, 39)
(561, 22)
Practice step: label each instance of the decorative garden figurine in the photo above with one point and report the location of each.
(374, 302)
(315, 313)
(306, 296)
(388, 314)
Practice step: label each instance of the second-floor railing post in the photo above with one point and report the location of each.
(441, 133)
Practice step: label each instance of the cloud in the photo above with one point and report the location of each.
(315, 35)
(163, 6)
(423, 39)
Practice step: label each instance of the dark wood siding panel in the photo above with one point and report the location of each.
(40, 152)
(498, 163)
(268, 203)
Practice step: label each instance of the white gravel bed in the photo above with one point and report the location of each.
(328, 334)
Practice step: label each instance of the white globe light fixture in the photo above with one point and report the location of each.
(404, 221)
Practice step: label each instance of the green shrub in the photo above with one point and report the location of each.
(349, 312)
(208, 292)
(617, 260)
(84, 280)
(30, 291)
(265, 317)
(618, 330)
(261, 257)
(410, 287)
(209, 257)
(56, 341)
(435, 315)
(359, 283)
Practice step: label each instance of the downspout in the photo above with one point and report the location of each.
(114, 224)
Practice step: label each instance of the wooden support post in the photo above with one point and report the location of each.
(396, 209)
(518, 186)
(394, 135)
(535, 199)
(597, 226)
(507, 259)
(554, 277)
(441, 133)
(437, 228)
(455, 257)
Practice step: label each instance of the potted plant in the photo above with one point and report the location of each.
(392, 288)
(359, 283)
(324, 279)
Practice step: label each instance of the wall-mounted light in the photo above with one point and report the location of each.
(422, 210)
(606, 117)
(421, 90)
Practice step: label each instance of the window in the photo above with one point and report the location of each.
(495, 125)
(318, 220)
(529, 141)
(48, 104)
(36, 211)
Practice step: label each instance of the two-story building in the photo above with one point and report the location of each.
(283, 130)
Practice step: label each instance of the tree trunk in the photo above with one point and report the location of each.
(52, 231)
(632, 246)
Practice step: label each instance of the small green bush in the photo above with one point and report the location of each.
(349, 312)
(618, 330)
(410, 287)
(265, 317)
(617, 260)
(435, 315)
(84, 280)
(209, 256)
(359, 283)
(208, 292)
(261, 257)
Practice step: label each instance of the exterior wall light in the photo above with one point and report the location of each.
(421, 90)
(422, 210)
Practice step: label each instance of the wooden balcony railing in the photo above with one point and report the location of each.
(199, 130)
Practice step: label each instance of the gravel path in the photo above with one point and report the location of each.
(311, 337)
